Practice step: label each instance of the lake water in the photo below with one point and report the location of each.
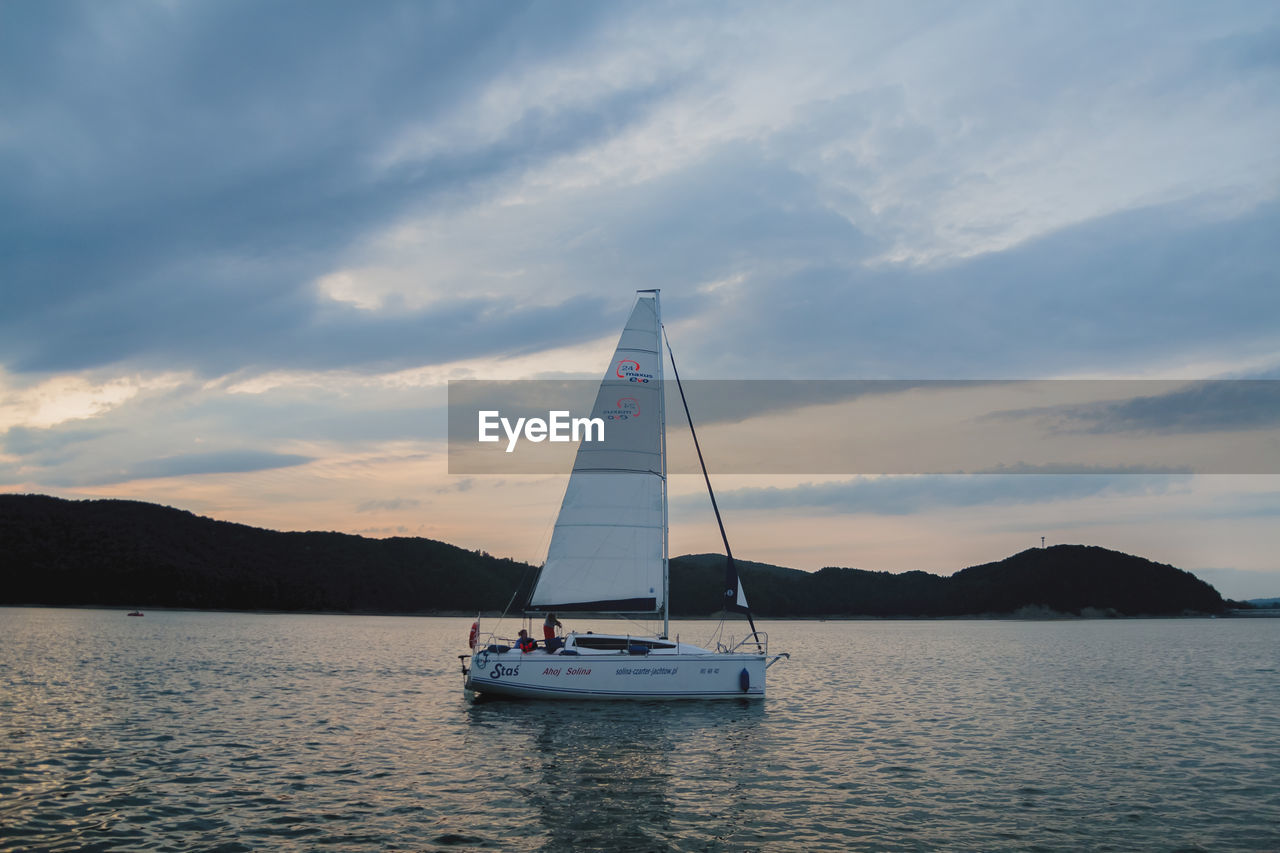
(216, 731)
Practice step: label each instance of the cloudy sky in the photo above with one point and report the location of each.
(245, 245)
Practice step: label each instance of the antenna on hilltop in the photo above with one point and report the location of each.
(1041, 541)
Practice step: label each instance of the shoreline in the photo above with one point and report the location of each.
(1039, 616)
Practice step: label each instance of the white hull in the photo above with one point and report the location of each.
(685, 672)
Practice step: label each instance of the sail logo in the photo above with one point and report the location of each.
(557, 427)
(630, 371)
(627, 408)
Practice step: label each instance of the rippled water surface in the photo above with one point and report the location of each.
(214, 731)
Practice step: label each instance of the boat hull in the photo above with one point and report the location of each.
(539, 675)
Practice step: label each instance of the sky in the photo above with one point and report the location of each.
(244, 246)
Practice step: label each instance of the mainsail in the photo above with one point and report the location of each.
(607, 550)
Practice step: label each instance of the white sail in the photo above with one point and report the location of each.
(606, 553)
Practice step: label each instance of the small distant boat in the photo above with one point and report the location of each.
(608, 556)
(136, 613)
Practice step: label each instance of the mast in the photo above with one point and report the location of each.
(662, 453)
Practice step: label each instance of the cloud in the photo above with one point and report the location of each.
(912, 494)
(1137, 288)
(85, 469)
(176, 204)
(1241, 506)
(213, 462)
(60, 399)
(186, 422)
(1198, 407)
(21, 439)
(1080, 468)
(390, 504)
(464, 484)
(1241, 584)
(173, 203)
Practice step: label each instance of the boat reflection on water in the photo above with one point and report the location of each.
(602, 776)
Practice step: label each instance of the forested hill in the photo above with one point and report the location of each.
(1067, 579)
(134, 554)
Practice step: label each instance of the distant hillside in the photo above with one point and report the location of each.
(1067, 579)
(135, 554)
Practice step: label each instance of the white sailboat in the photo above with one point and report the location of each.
(609, 555)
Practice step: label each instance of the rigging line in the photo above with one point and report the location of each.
(714, 506)
(523, 577)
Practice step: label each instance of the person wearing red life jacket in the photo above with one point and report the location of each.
(526, 643)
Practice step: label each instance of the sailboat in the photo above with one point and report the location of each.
(609, 556)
